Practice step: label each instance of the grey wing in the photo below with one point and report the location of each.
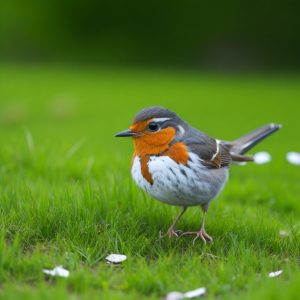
(214, 154)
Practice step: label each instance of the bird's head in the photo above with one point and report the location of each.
(153, 129)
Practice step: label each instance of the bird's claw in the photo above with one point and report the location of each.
(170, 233)
(199, 234)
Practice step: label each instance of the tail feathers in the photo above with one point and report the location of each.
(241, 158)
(247, 142)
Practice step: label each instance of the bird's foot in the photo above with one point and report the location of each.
(170, 233)
(199, 234)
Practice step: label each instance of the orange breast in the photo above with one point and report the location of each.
(177, 152)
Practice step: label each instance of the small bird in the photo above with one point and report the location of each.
(182, 166)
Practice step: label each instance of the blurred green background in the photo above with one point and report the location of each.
(231, 35)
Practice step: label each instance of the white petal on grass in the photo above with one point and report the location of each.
(283, 233)
(188, 295)
(57, 271)
(293, 158)
(116, 258)
(275, 274)
(175, 296)
(262, 158)
(195, 293)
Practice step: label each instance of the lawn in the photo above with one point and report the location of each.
(67, 198)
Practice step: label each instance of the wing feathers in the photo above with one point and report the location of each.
(213, 154)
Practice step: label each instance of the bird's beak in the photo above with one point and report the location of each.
(127, 133)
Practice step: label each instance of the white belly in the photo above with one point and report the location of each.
(178, 184)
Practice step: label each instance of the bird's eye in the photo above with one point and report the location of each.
(153, 126)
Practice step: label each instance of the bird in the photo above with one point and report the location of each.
(181, 165)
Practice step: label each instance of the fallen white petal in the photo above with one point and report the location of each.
(262, 158)
(175, 296)
(275, 274)
(116, 258)
(293, 158)
(187, 295)
(283, 233)
(195, 293)
(57, 271)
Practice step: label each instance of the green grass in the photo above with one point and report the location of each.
(66, 196)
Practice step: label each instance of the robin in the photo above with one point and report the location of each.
(180, 165)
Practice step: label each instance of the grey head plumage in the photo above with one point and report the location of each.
(164, 117)
(167, 118)
(154, 112)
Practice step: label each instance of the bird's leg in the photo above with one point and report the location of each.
(201, 233)
(172, 229)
